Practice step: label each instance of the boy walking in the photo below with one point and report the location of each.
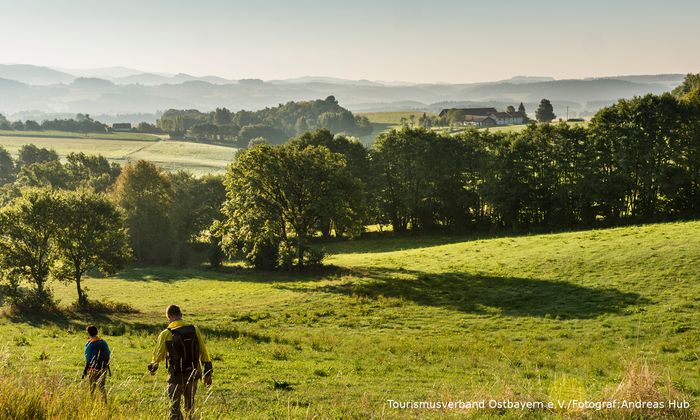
(97, 357)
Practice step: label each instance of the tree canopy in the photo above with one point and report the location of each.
(277, 196)
(276, 124)
(545, 111)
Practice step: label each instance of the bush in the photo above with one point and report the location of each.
(288, 258)
(215, 255)
(25, 301)
(264, 254)
(106, 307)
(313, 257)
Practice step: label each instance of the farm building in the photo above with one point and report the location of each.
(508, 118)
(479, 121)
(485, 117)
(483, 112)
(121, 127)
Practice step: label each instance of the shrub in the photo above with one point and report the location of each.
(288, 259)
(264, 254)
(31, 302)
(106, 307)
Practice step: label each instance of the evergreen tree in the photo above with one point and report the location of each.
(545, 112)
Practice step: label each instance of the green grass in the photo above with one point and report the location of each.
(71, 135)
(429, 317)
(502, 129)
(520, 127)
(377, 129)
(172, 155)
(392, 117)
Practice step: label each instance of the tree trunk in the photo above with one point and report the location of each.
(82, 299)
(300, 254)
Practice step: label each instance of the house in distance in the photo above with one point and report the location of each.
(482, 117)
(121, 127)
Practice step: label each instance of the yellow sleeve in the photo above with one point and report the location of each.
(161, 350)
(204, 356)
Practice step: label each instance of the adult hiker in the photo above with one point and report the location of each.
(97, 357)
(182, 346)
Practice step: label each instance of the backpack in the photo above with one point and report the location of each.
(100, 360)
(183, 350)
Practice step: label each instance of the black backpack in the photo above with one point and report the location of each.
(184, 350)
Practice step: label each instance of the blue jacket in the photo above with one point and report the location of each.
(97, 354)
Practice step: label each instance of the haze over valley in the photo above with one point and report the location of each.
(131, 95)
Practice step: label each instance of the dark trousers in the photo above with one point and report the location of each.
(98, 380)
(178, 389)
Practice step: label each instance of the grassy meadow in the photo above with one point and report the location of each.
(597, 315)
(392, 117)
(198, 158)
(385, 121)
(73, 135)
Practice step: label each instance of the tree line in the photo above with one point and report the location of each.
(275, 125)
(59, 220)
(82, 123)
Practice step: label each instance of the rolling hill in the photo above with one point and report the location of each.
(596, 315)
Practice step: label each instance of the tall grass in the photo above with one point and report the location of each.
(41, 395)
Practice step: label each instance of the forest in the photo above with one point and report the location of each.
(274, 125)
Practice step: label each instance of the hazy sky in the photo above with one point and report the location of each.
(418, 41)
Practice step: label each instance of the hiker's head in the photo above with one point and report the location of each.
(173, 313)
(91, 330)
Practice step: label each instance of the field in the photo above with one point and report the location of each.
(71, 135)
(441, 318)
(384, 121)
(392, 117)
(501, 129)
(516, 128)
(172, 155)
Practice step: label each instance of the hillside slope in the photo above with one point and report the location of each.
(437, 318)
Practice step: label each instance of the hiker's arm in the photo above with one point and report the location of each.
(160, 351)
(88, 357)
(204, 356)
(203, 352)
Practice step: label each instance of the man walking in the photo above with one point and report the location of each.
(182, 346)
(97, 357)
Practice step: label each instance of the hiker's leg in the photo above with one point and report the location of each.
(174, 393)
(92, 379)
(190, 390)
(102, 384)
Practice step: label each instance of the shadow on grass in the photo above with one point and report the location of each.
(59, 318)
(377, 242)
(465, 292)
(112, 326)
(241, 274)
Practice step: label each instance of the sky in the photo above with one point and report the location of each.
(415, 41)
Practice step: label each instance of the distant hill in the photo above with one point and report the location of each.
(103, 72)
(119, 90)
(34, 75)
(529, 79)
(143, 79)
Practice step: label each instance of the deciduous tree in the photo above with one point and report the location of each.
(91, 236)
